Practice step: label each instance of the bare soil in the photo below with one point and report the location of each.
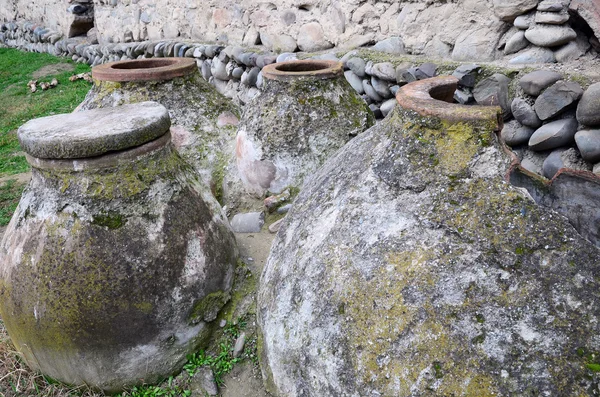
(50, 70)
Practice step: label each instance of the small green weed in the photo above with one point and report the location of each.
(221, 364)
(169, 389)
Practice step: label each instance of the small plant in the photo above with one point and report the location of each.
(221, 364)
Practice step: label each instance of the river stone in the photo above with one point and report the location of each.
(556, 98)
(357, 66)
(494, 91)
(516, 43)
(524, 113)
(551, 6)
(391, 45)
(534, 55)
(381, 87)
(370, 91)
(588, 143)
(534, 83)
(355, 81)
(551, 18)
(523, 21)
(463, 95)
(93, 133)
(440, 277)
(514, 134)
(564, 158)
(387, 106)
(552, 135)
(250, 222)
(311, 38)
(385, 71)
(550, 35)
(507, 10)
(588, 109)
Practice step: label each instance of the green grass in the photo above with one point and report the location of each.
(19, 105)
(10, 193)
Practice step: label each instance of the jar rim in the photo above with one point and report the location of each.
(150, 69)
(303, 69)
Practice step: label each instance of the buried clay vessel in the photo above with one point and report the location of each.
(306, 112)
(117, 259)
(440, 277)
(204, 121)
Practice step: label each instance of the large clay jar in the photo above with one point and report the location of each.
(117, 259)
(204, 121)
(408, 266)
(306, 112)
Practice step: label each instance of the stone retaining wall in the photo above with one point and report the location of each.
(463, 30)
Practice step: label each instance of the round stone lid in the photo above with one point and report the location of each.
(94, 132)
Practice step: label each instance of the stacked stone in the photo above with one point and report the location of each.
(544, 133)
(542, 33)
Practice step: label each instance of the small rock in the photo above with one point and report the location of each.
(251, 76)
(357, 66)
(588, 109)
(553, 163)
(573, 50)
(463, 96)
(311, 38)
(564, 158)
(533, 162)
(553, 135)
(550, 35)
(205, 69)
(514, 134)
(237, 73)
(493, 91)
(222, 323)
(370, 91)
(219, 69)
(355, 81)
(523, 21)
(349, 55)
(394, 89)
(535, 82)
(516, 43)
(250, 222)
(272, 202)
(551, 18)
(204, 382)
(284, 209)
(466, 74)
(507, 10)
(524, 113)
(425, 71)
(387, 106)
(238, 347)
(596, 169)
(391, 45)
(557, 98)
(385, 71)
(286, 56)
(551, 6)
(381, 87)
(588, 143)
(376, 111)
(274, 227)
(534, 55)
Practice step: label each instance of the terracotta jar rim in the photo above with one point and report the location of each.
(433, 98)
(151, 69)
(303, 69)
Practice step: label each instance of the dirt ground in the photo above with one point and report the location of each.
(53, 69)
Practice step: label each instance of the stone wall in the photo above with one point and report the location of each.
(463, 30)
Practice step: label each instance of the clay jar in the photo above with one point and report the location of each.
(118, 259)
(204, 121)
(408, 266)
(306, 112)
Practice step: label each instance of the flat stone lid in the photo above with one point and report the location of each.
(94, 132)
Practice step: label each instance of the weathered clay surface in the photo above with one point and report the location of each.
(204, 121)
(111, 271)
(88, 134)
(293, 126)
(409, 267)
